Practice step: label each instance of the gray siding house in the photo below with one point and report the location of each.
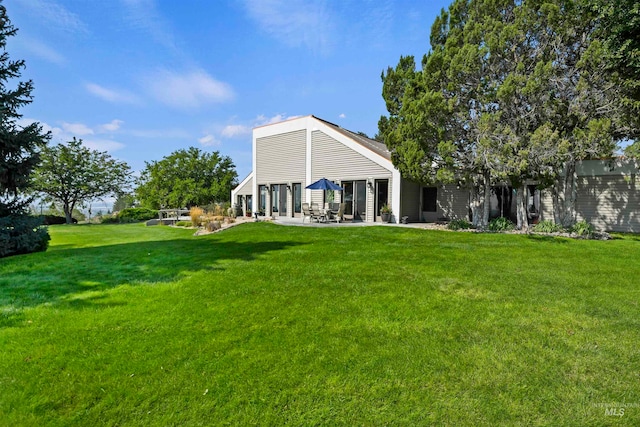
(289, 155)
(292, 154)
(607, 195)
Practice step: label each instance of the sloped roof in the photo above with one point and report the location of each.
(373, 145)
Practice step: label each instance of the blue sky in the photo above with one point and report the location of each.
(143, 78)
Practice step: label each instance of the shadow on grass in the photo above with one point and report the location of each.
(625, 236)
(547, 239)
(56, 276)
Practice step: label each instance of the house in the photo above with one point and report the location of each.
(289, 155)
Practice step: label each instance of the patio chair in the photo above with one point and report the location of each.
(306, 212)
(316, 213)
(339, 216)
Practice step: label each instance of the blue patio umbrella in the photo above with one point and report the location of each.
(324, 184)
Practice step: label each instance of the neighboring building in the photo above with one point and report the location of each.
(292, 154)
(608, 195)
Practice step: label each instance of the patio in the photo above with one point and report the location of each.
(298, 222)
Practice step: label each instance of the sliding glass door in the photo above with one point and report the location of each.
(279, 199)
(355, 196)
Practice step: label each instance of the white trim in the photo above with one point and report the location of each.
(395, 195)
(234, 192)
(281, 127)
(254, 157)
(308, 165)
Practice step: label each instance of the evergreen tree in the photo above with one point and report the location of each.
(510, 92)
(19, 148)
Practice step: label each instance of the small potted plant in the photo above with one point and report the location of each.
(249, 213)
(385, 212)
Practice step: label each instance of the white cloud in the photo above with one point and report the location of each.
(25, 121)
(67, 131)
(143, 15)
(342, 116)
(42, 51)
(112, 126)
(231, 131)
(295, 23)
(77, 129)
(56, 16)
(102, 144)
(262, 120)
(111, 95)
(209, 141)
(187, 91)
(377, 22)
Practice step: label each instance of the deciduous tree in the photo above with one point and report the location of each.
(72, 174)
(187, 178)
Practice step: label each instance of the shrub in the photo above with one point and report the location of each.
(583, 228)
(22, 234)
(196, 214)
(54, 211)
(136, 214)
(500, 224)
(547, 226)
(109, 219)
(183, 224)
(218, 209)
(459, 224)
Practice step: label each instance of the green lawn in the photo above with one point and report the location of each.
(269, 325)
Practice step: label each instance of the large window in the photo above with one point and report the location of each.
(430, 199)
(297, 197)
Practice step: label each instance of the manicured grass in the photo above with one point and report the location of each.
(270, 325)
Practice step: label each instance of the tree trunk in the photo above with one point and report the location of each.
(475, 203)
(521, 209)
(565, 196)
(571, 194)
(68, 210)
(486, 204)
(558, 202)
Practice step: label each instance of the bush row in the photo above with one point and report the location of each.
(130, 215)
(581, 228)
